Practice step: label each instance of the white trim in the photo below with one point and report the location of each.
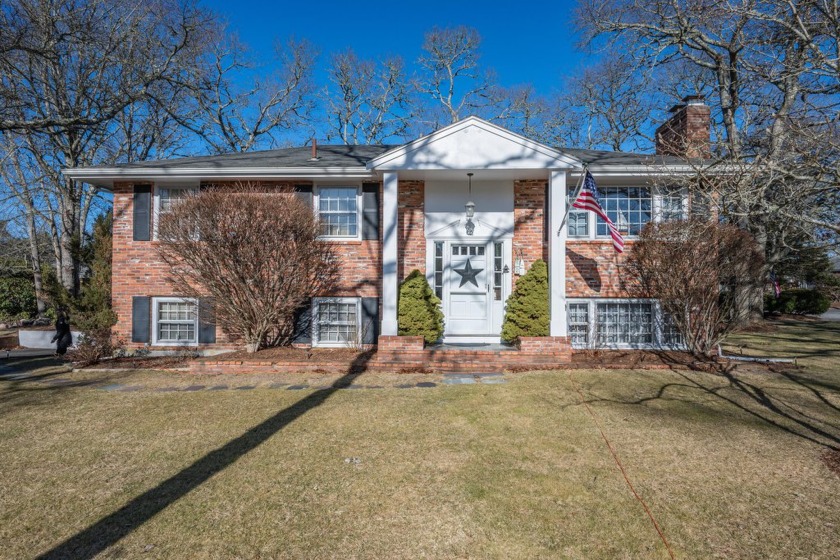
(390, 287)
(557, 252)
(155, 311)
(382, 161)
(316, 203)
(316, 302)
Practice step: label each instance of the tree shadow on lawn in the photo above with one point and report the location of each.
(112, 528)
(755, 401)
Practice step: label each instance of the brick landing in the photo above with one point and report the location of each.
(405, 354)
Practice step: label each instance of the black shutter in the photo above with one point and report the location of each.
(141, 316)
(370, 211)
(303, 324)
(304, 193)
(206, 321)
(142, 212)
(370, 320)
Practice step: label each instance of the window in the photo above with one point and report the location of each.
(628, 207)
(579, 323)
(439, 269)
(166, 198)
(624, 322)
(175, 321)
(578, 224)
(498, 262)
(671, 336)
(336, 321)
(338, 211)
(671, 207)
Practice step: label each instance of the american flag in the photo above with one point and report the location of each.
(588, 199)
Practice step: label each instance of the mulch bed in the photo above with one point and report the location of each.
(325, 355)
(631, 359)
(163, 362)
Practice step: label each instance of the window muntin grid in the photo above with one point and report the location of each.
(337, 321)
(439, 269)
(338, 211)
(471, 250)
(176, 321)
(578, 224)
(671, 336)
(628, 207)
(671, 207)
(579, 323)
(498, 263)
(168, 197)
(624, 322)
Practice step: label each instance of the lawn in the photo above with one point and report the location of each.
(730, 465)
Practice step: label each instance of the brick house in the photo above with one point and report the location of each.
(393, 209)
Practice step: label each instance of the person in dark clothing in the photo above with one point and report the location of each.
(62, 334)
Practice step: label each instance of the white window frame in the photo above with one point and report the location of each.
(316, 326)
(316, 200)
(155, 321)
(657, 194)
(658, 339)
(156, 208)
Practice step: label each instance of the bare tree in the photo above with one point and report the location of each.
(367, 102)
(774, 70)
(452, 78)
(230, 118)
(69, 70)
(255, 250)
(695, 269)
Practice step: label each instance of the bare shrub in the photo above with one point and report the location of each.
(697, 270)
(255, 251)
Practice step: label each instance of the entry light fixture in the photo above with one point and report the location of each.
(469, 207)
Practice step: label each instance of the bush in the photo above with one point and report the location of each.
(17, 298)
(798, 301)
(527, 307)
(419, 312)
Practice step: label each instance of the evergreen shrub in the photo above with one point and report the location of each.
(527, 307)
(418, 312)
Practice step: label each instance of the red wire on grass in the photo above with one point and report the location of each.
(621, 468)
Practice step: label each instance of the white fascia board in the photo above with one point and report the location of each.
(641, 170)
(380, 162)
(107, 175)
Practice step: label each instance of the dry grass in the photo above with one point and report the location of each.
(729, 464)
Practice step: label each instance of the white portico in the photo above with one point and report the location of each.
(470, 261)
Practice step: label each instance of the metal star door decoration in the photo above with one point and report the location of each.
(468, 274)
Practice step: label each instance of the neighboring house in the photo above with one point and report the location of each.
(392, 209)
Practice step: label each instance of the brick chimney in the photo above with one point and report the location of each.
(687, 132)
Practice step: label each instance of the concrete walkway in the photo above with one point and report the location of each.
(831, 315)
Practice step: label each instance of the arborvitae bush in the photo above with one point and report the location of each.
(419, 312)
(527, 306)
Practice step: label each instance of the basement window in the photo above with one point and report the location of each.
(336, 321)
(175, 321)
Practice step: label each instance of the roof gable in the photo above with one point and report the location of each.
(472, 143)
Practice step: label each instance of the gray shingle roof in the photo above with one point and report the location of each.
(336, 155)
(328, 156)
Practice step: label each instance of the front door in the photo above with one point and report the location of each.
(475, 285)
(468, 291)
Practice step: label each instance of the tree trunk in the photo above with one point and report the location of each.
(35, 255)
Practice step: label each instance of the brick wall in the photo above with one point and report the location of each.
(529, 221)
(411, 244)
(594, 269)
(138, 271)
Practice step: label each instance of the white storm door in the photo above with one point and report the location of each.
(468, 290)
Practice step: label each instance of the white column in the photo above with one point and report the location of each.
(557, 252)
(390, 224)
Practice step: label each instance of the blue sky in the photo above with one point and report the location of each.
(524, 42)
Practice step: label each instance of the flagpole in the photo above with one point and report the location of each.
(574, 198)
